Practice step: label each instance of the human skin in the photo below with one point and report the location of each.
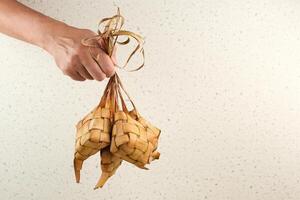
(60, 40)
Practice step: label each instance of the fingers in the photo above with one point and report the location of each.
(74, 58)
(92, 67)
(113, 56)
(83, 72)
(86, 64)
(69, 70)
(75, 76)
(105, 63)
(88, 68)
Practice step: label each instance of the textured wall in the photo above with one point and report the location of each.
(222, 81)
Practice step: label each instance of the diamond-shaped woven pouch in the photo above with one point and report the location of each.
(153, 135)
(110, 128)
(132, 141)
(93, 134)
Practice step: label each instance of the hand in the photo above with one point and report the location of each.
(74, 59)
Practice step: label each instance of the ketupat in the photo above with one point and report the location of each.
(110, 128)
(93, 133)
(132, 140)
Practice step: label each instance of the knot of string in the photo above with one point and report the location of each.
(109, 32)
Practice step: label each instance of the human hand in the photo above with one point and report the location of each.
(74, 59)
(62, 41)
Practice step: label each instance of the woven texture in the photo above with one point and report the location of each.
(116, 133)
(93, 134)
(132, 141)
(110, 129)
(153, 138)
(109, 165)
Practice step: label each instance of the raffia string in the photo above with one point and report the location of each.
(112, 29)
(110, 34)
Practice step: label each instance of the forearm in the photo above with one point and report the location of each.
(61, 41)
(21, 22)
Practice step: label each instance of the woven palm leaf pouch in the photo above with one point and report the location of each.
(93, 132)
(133, 138)
(111, 129)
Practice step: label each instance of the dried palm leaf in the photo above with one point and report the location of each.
(133, 138)
(93, 133)
(113, 131)
(109, 165)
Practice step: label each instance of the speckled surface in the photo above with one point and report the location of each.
(222, 81)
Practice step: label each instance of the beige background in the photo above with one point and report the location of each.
(222, 81)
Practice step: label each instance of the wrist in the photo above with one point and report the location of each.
(53, 33)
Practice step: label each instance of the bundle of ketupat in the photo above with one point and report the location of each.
(111, 129)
